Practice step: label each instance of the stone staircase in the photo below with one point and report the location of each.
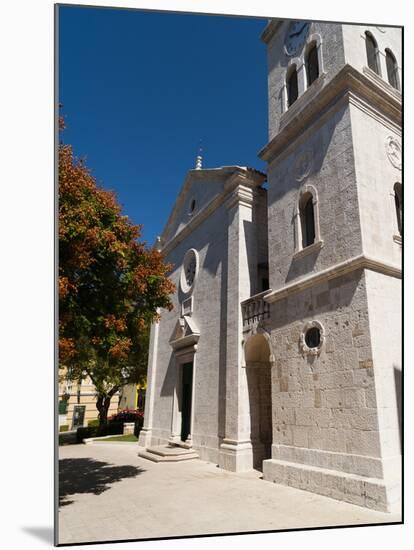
(168, 453)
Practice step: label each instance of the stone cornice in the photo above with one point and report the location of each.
(337, 270)
(240, 178)
(347, 83)
(367, 108)
(371, 75)
(186, 341)
(240, 195)
(185, 335)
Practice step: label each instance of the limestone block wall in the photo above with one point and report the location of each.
(384, 306)
(333, 60)
(325, 402)
(326, 434)
(376, 176)
(332, 174)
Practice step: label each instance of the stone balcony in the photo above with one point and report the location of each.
(255, 309)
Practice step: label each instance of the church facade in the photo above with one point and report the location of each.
(283, 350)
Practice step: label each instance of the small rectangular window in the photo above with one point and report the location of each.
(308, 223)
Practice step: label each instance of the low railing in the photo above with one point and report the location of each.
(255, 309)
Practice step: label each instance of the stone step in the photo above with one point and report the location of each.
(168, 454)
(169, 450)
(158, 458)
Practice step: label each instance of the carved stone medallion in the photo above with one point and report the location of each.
(303, 165)
(393, 149)
(189, 270)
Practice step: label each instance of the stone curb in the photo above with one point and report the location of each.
(92, 440)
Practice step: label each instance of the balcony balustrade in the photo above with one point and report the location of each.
(255, 309)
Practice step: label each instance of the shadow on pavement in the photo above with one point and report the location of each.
(86, 475)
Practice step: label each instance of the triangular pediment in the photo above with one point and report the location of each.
(200, 189)
(200, 186)
(185, 333)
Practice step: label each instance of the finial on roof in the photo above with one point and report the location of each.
(158, 244)
(199, 160)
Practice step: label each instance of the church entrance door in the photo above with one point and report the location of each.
(187, 385)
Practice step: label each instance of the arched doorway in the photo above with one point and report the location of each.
(258, 358)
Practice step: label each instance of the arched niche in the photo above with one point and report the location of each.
(258, 362)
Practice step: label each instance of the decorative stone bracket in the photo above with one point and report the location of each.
(185, 333)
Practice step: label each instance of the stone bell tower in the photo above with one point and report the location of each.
(335, 237)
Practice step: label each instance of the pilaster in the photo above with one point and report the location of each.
(146, 431)
(236, 449)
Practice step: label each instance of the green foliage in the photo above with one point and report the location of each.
(63, 406)
(67, 438)
(93, 423)
(110, 285)
(127, 437)
(63, 428)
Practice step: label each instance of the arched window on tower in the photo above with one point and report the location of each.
(372, 52)
(307, 219)
(392, 69)
(312, 64)
(398, 205)
(292, 86)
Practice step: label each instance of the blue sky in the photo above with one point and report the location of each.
(140, 89)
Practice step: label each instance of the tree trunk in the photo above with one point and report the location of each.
(102, 404)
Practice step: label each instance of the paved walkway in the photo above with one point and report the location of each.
(108, 493)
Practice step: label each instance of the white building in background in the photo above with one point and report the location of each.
(283, 351)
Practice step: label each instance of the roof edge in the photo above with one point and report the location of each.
(257, 178)
(270, 29)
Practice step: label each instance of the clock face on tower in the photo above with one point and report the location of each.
(296, 36)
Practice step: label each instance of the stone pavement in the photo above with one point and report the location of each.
(109, 493)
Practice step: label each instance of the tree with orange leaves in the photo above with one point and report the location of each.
(110, 285)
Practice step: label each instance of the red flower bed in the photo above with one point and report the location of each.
(127, 415)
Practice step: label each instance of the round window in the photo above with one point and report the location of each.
(312, 338)
(189, 270)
